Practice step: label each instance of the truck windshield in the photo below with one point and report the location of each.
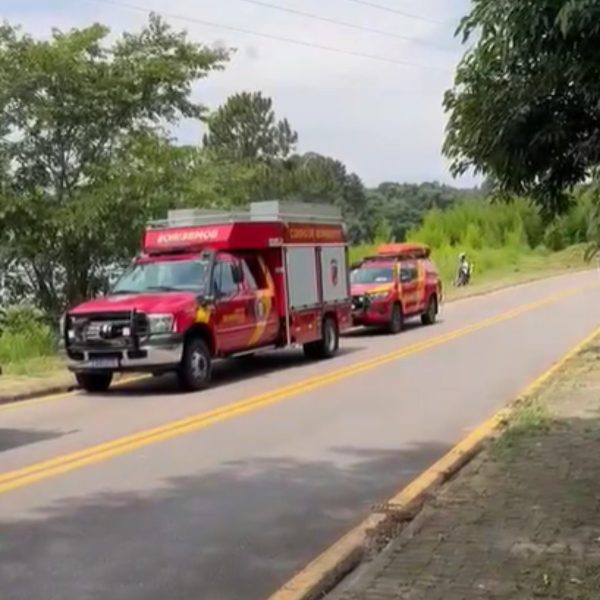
(165, 276)
(373, 275)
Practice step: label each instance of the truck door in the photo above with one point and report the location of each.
(409, 287)
(259, 291)
(231, 317)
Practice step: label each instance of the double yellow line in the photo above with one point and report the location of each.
(59, 465)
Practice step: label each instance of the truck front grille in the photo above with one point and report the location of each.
(108, 330)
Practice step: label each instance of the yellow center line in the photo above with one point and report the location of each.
(12, 480)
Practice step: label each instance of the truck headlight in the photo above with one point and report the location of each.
(379, 296)
(161, 323)
(70, 333)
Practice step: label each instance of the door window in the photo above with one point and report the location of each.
(408, 273)
(223, 279)
(249, 278)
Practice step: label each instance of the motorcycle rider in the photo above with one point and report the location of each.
(463, 276)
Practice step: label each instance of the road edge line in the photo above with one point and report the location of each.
(325, 572)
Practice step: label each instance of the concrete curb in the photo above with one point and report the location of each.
(31, 394)
(328, 570)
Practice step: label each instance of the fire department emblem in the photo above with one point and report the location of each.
(334, 272)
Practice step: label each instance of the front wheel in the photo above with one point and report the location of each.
(430, 315)
(195, 370)
(397, 320)
(94, 382)
(329, 343)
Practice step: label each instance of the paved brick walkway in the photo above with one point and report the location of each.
(521, 522)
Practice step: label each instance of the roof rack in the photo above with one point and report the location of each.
(402, 251)
(260, 212)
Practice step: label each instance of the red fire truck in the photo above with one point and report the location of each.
(399, 282)
(208, 286)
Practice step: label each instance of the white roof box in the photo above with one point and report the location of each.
(183, 216)
(277, 210)
(267, 211)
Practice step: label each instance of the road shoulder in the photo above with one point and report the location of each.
(14, 388)
(520, 521)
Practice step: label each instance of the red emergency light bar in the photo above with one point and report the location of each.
(401, 252)
(405, 250)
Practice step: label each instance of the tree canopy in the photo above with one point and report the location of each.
(525, 108)
(246, 128)
(86, 158)
(83, 152)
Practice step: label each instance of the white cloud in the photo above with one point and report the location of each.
(384, 120)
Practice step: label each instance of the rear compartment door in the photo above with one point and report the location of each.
(334, 275)
(304, 293)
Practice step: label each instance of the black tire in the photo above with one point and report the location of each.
(195, 370)
(328, 345)
(94, 382)
(396, 324)
(430, 315)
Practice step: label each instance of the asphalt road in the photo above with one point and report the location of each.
(229, 505)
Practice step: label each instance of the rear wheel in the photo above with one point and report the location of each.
(94, 382)
(328, 345)
(430, 315)
(397, 320)
(195, 370)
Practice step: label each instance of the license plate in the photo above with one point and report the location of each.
(103, 363)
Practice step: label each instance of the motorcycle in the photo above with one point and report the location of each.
(463, 277)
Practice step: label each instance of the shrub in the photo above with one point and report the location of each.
(24, 335)
(20, 318)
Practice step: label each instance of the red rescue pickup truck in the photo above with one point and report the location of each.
(210, 286)
(399, 282)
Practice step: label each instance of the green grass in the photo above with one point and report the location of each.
(528, 420)
(40, 366)
(30, 351)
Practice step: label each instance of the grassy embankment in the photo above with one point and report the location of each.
(495, 272)
(508, 244)
(27, 344)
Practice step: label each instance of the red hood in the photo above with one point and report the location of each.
(170, 303)
(358, 289)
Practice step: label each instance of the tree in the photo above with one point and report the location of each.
(403, 206)
(246, 128)
(525, 109)
(383, 232)
(83, 154)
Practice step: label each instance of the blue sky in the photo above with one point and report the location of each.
(384, 120)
